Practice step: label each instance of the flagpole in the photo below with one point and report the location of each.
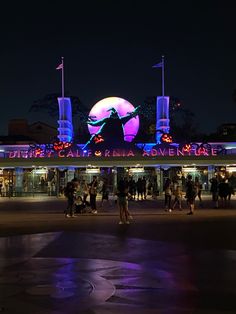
(163, 76)
(62, 86)
(62, 78)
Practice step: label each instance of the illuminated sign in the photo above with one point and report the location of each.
(189, 169)
(78, 153)
(40, 171)
(110, 109)
(93, 170)
(136, 170)
(72, 150)
(231, 168)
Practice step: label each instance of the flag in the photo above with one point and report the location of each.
(158, 65)
(60, 67)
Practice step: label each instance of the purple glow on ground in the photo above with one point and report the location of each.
(123, 107)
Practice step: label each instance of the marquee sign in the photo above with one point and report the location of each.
(52, 151)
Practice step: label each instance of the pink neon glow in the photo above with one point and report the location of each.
(123, 107)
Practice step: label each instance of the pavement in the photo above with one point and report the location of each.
(163, 262)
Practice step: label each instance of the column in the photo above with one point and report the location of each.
(159, 179)
(114, 184)
(162, 117)
(65, 129)
(211, 174)
(70, 174)
(19, 181)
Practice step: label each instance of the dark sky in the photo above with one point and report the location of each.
(109, 49)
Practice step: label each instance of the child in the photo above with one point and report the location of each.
(79, 205)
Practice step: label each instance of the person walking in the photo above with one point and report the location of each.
(132, 189)
(140, 189)
(93, 194)
(149, 187)
(231, 190)
(178, 197)
(144, 188)
(70, 195)
(190, 194)
(214, 191)
(1, 185)
(105, 192)
(168, 191)
(223, 191)
(122, 202)
(198, 186)
(85, 189)
(79, 204)
(155, 188)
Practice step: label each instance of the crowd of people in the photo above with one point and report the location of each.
(82, 197)
(173, 192)
(221, 190)
(77, 193)
(138, 190)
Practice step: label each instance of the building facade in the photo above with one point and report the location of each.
(110, 152)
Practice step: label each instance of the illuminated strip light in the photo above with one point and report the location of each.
(93, 170)
(65, 128)
(189, 169)
(162, 117)
(231, 169)
(136, 170)
(40, 171)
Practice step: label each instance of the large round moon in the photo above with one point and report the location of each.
(123, 107)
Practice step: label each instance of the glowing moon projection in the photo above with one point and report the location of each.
(102, 108)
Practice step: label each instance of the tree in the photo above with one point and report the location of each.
(183, 126)
(181, 119)
(147, 122)
(49, 104)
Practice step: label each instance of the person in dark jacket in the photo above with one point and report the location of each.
(93, 194)
(140, 189)
(190, 194)
(214, 190)
(70, 195)
(105, 191)
(223, 191)
(167, 188)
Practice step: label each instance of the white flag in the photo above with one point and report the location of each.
(60, 67)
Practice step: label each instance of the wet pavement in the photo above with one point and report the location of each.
(161, 263)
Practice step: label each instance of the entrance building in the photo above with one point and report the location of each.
(27, 172)
(111, 152)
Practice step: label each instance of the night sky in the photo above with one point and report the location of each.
(109, 49)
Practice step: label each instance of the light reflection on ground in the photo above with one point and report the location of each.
(72, 272)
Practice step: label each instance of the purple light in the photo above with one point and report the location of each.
(123, 107)
(65, 128)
